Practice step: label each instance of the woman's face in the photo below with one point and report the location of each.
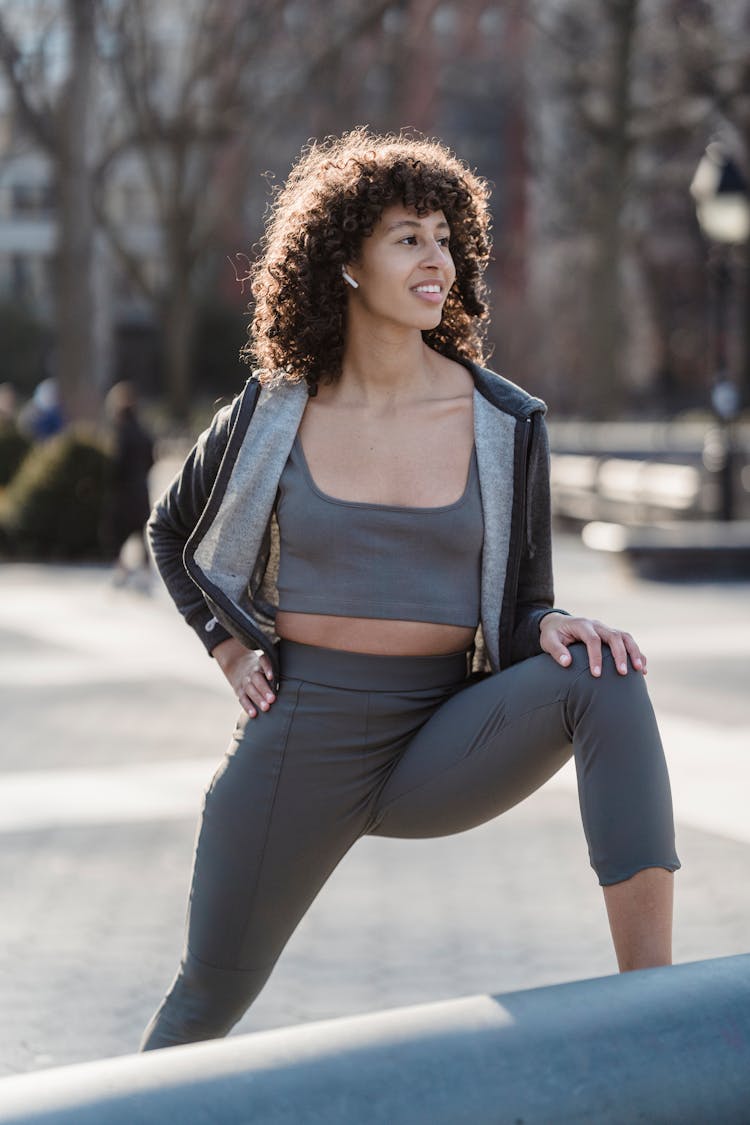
(405, 268)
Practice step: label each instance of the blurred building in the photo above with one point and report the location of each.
(27, 227)
(453, 70)
(28, 235)
(510, 86)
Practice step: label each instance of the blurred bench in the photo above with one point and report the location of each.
(586, 487)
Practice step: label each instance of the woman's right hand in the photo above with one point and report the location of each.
(249, 673)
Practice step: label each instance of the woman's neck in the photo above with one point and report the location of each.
(386, 368)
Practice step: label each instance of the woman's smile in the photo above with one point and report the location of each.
(432, 292)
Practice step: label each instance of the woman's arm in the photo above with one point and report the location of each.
(175, 515)
(541, 626)
(249, 672)
(535, 591)
(558, 631)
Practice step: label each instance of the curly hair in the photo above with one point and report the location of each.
(332, 200)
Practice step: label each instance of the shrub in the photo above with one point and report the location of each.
(13, 448)
(54, 506)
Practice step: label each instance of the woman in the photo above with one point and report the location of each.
(132, 461)
(367, 532)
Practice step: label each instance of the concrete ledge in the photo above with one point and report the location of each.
(712, 549)
(661, 1045)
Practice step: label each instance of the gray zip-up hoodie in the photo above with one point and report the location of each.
(215, 537)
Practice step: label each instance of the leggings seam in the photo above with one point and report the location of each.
(363, 749)
(453, 765)
(583, 796)
(269, 817)
(367, 721)
(222, 968)
(574, 681)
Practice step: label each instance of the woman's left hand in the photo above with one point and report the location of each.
(558, 630)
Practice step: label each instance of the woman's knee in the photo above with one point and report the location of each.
(609, 678)
(613, 696)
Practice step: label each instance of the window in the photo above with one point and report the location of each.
(31, 199)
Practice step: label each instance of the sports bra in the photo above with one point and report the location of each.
(351, 559)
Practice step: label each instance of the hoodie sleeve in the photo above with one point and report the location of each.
(535, 593)
(175, 515)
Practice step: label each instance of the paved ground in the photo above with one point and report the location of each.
(112, 720)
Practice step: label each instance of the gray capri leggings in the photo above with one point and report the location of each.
(403, 746)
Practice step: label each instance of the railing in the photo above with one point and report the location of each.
(665, 1045)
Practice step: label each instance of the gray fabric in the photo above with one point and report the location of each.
(227, 552)
(355, 559)
(494, 434)
(334, 759)
(226, 488)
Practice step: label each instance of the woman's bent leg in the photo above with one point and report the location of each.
(278, 816)
(494, 742)
(640, 918)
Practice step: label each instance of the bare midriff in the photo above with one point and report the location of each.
(373, 635)
(415, 456)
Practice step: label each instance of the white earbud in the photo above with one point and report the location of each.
(348, 277)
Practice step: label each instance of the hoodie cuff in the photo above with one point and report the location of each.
(555, 609)
(208, 629)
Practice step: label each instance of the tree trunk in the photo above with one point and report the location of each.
(177, 321)
(75, 311)
(743, 275)
(178, 306)
(606, 327)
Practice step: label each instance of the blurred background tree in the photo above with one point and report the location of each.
(48, 56)
(201, 95)
(140, 143)
(624, 108)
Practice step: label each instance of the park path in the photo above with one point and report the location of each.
(112, 720)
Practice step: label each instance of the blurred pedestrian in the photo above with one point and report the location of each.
(42, 416)
(132, 457)
(362, 541)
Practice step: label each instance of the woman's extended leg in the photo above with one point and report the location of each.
(293, 794)
(280, 813)
(495, 742)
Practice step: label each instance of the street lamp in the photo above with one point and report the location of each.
(720, 192)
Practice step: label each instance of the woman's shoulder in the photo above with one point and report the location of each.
(456, 376)
(504, 393)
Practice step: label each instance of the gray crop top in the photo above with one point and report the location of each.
(352, 559)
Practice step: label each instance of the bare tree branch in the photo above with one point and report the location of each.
(39, 120)
(132, 263)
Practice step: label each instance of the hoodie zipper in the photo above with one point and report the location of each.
(519, 539)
